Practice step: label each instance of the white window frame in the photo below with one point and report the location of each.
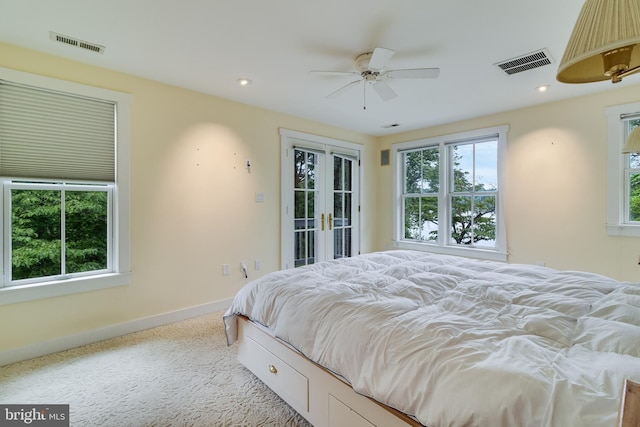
(442, 245)
(119, 273)
(617, 186)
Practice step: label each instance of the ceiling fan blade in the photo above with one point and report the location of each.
(413, 73)
(380, 58)
(343, 89)
(384, 90)
(335, 73)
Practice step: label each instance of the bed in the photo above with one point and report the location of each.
(414, 338)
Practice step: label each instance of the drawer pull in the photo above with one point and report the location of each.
(273, 369)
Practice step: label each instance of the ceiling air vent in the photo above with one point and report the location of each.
(526, 62)
(61, 38)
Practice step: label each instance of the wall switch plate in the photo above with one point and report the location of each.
(225, 269)
(259, 197)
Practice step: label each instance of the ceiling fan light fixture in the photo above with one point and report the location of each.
(604, 44)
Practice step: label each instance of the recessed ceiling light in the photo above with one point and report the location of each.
(543, 88)
(244, 82)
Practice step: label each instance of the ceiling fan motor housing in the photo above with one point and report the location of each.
(362, 62)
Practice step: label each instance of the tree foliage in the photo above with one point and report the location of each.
(37, 232)
(472, 213)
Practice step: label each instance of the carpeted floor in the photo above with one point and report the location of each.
(182, 374)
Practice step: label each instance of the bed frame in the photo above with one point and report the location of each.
(315, 393)
(629, 414)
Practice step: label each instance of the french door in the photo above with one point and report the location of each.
(320, 194)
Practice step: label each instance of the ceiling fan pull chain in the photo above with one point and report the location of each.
(364, 95)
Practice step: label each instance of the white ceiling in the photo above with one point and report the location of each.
(207, 45)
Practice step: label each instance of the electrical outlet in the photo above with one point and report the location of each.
(258, 265)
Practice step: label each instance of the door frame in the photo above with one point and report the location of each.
(288, 140)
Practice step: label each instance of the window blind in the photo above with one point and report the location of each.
(54, 135)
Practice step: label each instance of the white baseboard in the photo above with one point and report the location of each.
(71, 341)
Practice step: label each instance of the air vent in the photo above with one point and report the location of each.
(61, 38)
(526, 62)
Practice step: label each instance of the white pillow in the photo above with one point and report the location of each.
(607, 336)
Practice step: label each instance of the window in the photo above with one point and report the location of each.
(447, 192)
(64, 182)
(623, 172)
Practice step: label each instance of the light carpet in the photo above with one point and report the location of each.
(181, 374)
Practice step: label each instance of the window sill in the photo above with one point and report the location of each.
(452, 250)
(623, 230)
(58, 288)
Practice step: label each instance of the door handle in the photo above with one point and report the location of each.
(330, 221)
(322, 222)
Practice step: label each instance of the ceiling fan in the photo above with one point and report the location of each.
(371, 69)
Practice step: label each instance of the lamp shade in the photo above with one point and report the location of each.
(604, 43)
(633, 142)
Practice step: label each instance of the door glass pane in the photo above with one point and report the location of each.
(347, 241)
(342, 214)
(300, 248)
(300, 209)
(311, 210)
(311, 250)
(311, 170)
(305, 215)
(338, 238)
(300, 170)
(86, 231)
(337, 173)
(36, 239)
(337, 209)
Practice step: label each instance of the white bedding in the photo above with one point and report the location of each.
(459, 342)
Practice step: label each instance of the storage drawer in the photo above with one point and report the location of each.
(340, 415)
(290, 384)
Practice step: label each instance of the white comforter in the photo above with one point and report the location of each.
(459, 342)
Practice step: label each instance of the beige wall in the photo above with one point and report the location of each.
(556, 184)
(192, 202)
